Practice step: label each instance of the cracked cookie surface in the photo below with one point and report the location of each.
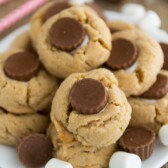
(93, 52)
(149, 113)
(143, 73)
(25, 97)
(68, 149)
(101, 129)
(13, 127)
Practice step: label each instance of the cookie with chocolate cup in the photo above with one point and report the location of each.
(117, 26)
(51, 9)
(13, 127)
(136, 59)
(75, 40)
(139, 141)
(67, 148)
(92, 108)
(25, 86)
(150, 108)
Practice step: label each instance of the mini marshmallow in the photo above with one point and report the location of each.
(55, 163)
(132, 68)
(158, 34)
(81, 2)
(163, 135)
(150, 20)
(135, 11)
(125, 160)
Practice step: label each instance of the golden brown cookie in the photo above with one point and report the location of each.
(84, 47)
(136, 59)
(117, 26)
(150, 112)
(102, 128)
(25, 88)
(13, 127)
(80, 156)
(52, 8)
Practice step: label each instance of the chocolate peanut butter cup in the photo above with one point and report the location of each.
(35, 150)
(139, 141)
(88, 96)
(22, 66)
(164, 47)
(55, 9)
(66, 34)
(124, 53)
(159, 89)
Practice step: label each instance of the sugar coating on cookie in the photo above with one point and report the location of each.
(93, 129)
(148, 60)
(26, 91)
(68, 149)
(63, 61)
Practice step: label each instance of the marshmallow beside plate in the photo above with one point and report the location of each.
(158, 34)
(150, 20)
(55, 163)
(135, 11)
(163, 135)
(125, 160)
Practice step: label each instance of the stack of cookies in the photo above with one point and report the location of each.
(102, 69)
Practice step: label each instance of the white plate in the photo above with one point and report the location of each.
(8, 155)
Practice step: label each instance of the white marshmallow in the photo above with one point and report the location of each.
(158, 34)
(150, 20)
(163, 135)
(135, 11)
(84, 43)
(80, 2)
(132, 68)
(54, 163)
(125, 160)
(149, 101)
